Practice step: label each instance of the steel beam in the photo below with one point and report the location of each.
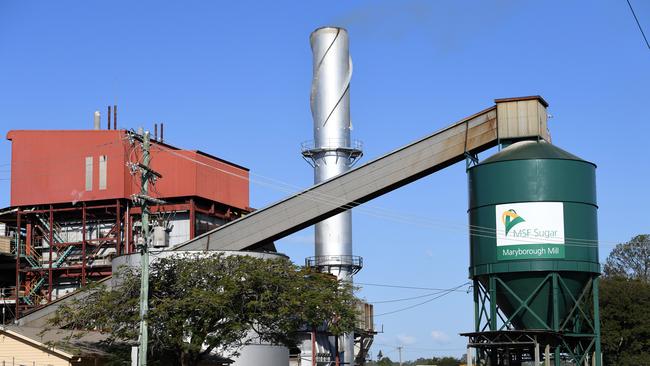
(118, 234)
(51, 243)
(18, 251)
(192, 219)
(83, 244)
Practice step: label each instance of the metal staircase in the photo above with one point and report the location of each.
(36, 261)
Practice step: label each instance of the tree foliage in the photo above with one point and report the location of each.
(200, 304)
(624, 304)
(625, 319)
(439, 361)
(630, 260)
(383, 361)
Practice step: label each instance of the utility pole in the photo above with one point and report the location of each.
(399, 348)
(143, 200)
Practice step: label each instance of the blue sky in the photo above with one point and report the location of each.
(233, 79)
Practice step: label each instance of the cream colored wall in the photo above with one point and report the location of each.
(22, 353)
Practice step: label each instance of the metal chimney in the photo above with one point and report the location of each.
(331, 153)
(97, 121)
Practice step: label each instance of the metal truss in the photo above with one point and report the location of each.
(574, 337)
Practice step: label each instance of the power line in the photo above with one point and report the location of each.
(424, 302)
(36, 162)
(388, 214)
(405, 287)
(405, 298)
(418, 348)
(333, 201)
(638, 24)
(476, 231)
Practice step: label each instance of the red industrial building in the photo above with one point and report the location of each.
(71, 206)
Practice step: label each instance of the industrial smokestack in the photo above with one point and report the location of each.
(162, 132)
(97, 121)
(115, 117)
(332, 152)
(109, 118)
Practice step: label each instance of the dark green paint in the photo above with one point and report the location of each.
(533, 171)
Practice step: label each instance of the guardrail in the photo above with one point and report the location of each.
(354, 262)
(331, 144)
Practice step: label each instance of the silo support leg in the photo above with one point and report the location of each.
(597, 359)
(477, 310)
(556, 305)
(493, 303)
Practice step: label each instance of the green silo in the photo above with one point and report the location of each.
(534, 249)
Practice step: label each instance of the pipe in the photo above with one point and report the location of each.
(155, 131)
(83, 244)
(115, 117)
(96, 121)
(313, 346)
(162, 125)
(109, 118)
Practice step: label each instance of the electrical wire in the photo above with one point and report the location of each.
(36, 162)
(328, 199)
(638, 24)
(35, 167)
(474, 230)
(418, 348)
(404, 287)
(423, 302)
(333, 201)
(405, 298)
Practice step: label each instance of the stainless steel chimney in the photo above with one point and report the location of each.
(96, 121)
(331, 153)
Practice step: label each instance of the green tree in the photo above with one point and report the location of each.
(385, 361)
(624, 304)
(201, 303)
(439, 361)
(446, 361)
(631, 259)
(625, 320)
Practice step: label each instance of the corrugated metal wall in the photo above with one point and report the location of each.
(50, 167)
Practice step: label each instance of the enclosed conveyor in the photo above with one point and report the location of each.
(511, 118)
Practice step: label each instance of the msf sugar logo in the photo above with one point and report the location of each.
(510, 218)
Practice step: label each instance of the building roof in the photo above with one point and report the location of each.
(526, 150)
(11, 134)
(71, 344)
(65, 343)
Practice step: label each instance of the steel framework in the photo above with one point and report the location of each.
(45, 255)
(574, 337)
